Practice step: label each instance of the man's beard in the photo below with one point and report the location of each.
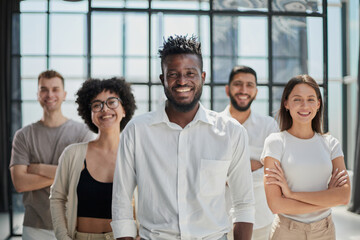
(240, 108)
(183, 107)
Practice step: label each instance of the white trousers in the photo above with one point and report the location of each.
(30, 233)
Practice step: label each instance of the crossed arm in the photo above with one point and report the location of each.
(33, 177)
(282, 200)
(255, 165)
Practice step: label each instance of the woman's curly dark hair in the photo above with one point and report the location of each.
(92, 87)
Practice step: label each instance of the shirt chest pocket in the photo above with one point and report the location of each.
(213, 175)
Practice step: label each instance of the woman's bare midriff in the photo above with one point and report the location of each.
(93, 225)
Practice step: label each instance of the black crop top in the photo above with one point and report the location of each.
(94, 197)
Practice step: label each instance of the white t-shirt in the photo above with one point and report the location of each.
(306, 163)
(258, 128)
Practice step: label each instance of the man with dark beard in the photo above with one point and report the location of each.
(181, 157)
(242, 91)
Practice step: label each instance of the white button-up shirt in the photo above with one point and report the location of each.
(181, 174)
(258, 128)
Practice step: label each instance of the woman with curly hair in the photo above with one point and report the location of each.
(304, 168)
(80, 197)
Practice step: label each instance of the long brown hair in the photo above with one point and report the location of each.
(285, 118)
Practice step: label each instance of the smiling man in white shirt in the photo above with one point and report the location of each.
(242, 91)
(181, 157)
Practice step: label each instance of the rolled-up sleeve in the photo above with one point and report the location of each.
(123, 224)
(240, 179)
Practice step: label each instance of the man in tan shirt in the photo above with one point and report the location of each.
(35, 152)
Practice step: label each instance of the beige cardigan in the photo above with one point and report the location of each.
(63, 196)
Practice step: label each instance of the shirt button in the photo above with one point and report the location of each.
(107, 237)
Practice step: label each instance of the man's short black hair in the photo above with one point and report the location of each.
(92, 87)
(242, 69)
(181, 44)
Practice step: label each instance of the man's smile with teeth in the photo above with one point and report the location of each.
(183, 89)
(242, 96)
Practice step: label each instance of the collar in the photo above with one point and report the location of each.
(249, 119)
(202, 115)
(227, 111)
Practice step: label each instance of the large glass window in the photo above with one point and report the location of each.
(297, 48)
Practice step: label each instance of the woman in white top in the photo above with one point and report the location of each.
(305, 173)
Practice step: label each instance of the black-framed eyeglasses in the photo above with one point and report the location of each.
(111, 102)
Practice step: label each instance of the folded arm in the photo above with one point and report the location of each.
(25, 181)
(45, 170)
(255, 165)
(337, 193)
(332, 196)
(277, 202)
